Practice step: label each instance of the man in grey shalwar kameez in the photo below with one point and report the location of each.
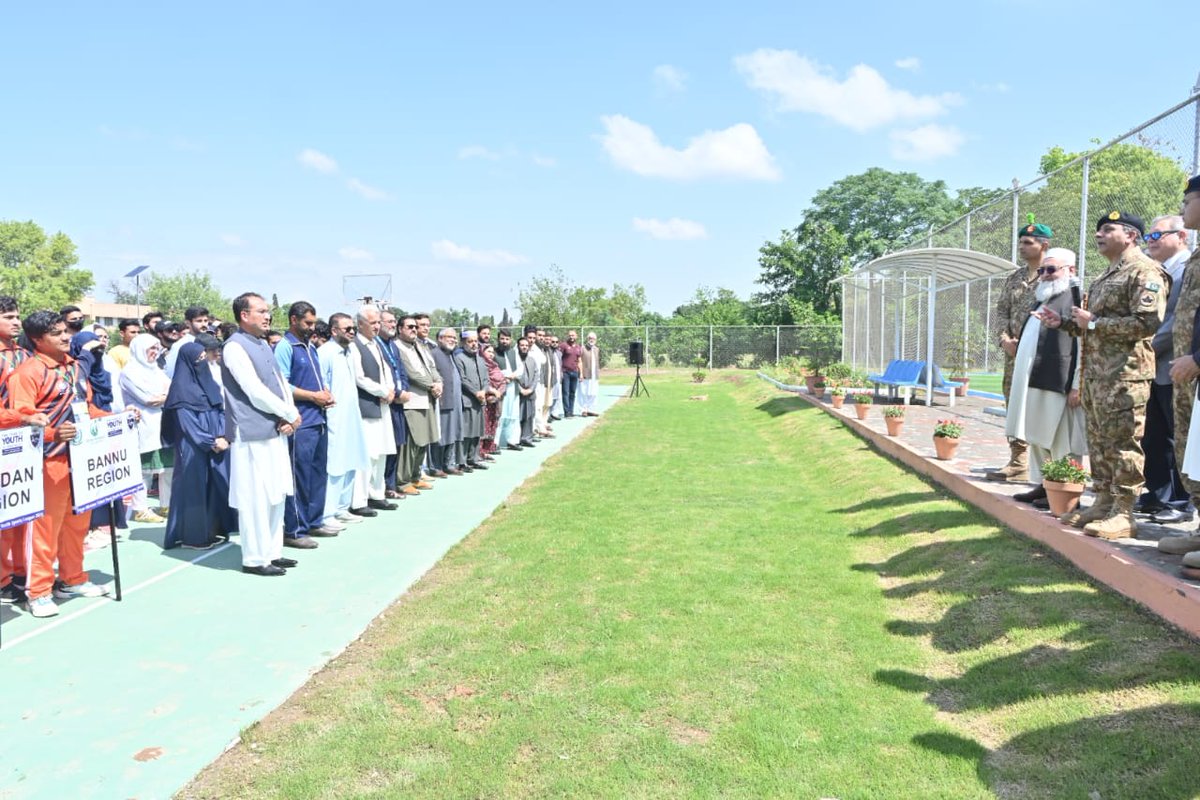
(474, 376)
(420, 410)
(445, 454)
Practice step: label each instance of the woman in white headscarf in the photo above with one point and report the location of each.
(144, 386)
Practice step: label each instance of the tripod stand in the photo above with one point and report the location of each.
(639, 386)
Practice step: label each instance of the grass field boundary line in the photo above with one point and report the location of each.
(63, 620)
(1172, 600)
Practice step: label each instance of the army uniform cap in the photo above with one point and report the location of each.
(1121, 218)
(1038, 231)
(1193, 185)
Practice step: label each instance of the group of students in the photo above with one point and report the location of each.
(284, 438)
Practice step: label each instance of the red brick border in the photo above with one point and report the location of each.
(1176, 602)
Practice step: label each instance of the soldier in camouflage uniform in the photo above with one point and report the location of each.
(1185, 369)
(1125, 307)
(1017, 299)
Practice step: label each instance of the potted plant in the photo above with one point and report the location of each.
(955, 366)
(862, 404)
(838, 396)
(945, 438)
(819, 388)
(893, 417)
(1064, 480)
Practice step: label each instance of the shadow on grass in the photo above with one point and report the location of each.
(1090, 757)
(1057, 637)
(920, 522)
(888, 501)
(778, 406)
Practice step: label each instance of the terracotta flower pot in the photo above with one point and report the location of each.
(862, 409)
(961, 391)
(838, 400)
(1062, 497)
(945, 446)
(894, 425)
(811, 381)
(818, 391)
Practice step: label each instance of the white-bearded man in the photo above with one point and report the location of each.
(1043, 407)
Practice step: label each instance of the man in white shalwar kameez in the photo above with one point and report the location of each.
(589, 376)
(1043, 407)
(376, 390)
(259, 417)
(347, 444)
(508, 431)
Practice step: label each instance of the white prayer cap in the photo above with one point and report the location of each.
(1064, 256)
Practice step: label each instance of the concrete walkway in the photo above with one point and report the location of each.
(131, 699)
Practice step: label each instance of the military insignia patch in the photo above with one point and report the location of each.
(1029, 229)
(1114, 215)
(1152, 287)
(1147, 299)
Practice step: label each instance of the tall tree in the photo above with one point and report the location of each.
(39, 270)
(798, 273)
(171, 294)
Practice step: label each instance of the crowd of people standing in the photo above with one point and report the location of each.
(282, 437)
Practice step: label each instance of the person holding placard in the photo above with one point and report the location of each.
(52, 383)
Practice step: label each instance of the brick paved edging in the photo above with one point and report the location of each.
(1171, 599)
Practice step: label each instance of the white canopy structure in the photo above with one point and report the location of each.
(932, 304)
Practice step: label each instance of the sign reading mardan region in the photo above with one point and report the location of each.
(105, 461)
(22, 496)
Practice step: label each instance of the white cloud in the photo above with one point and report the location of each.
(672, 229)
(544, 161)
(862, 101)
(911, 63)
(315, 159)
(736, 152)
(478, 151)
(669, 79)
(232, 239)
(369, 192)
(926, 143)
(449, 251)
(350, 253)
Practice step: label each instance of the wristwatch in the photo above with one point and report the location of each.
(1091, 326)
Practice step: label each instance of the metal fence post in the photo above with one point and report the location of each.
(987, 341)
(1016, 217)
(1081, 259)
(776, 344)
(966, 326)
(967, 246)
(710, 347)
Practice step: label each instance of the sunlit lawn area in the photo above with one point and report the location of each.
(987, 382)
(736, 597)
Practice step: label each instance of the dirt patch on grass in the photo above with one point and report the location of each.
(686, 734)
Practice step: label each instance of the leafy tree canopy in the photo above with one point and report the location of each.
(173, 293)
(39, 270)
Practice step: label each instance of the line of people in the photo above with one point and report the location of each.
(338, 421)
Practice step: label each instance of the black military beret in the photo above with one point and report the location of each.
(1193, 185)
(1121, 218)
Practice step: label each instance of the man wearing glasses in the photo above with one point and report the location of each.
(1165, 498)
(1016, 300)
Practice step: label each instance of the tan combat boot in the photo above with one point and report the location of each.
(1097, 511)
(1179, 545)
(1017, 468)
(1118, 524)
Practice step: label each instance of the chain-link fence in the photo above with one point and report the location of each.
(712, 346)
(1142, 172)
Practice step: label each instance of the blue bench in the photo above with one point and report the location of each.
(903, 377)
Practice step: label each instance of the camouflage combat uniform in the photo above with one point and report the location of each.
(1127, 303)
(1184, 395)
(1017, 298)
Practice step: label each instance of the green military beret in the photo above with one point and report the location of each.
(1121, 218)
(1038, 231)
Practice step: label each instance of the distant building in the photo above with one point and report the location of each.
(109, 314)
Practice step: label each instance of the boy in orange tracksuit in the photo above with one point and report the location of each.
(12, 540)
(50, 382)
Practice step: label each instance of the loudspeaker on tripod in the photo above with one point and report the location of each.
(637, 354)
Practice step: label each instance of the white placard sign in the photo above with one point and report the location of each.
(22, 493)
(105, 461)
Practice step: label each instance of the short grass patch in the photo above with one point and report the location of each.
(737, 598)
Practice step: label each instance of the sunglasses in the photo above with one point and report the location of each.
(1154, 236)
(410, 327)
(1047, 270)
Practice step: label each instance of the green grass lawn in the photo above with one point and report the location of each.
(987, 382)
(736, 597)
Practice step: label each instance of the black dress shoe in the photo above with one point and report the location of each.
(1036, 493)
(1148, 509)
(1041, 504)
(382, 505)
(1172, 516)
(511, 447)
(285, 563)
(364, 512)
(265, 569)
(437, 473)
(454, 471)
(477, 465)
(525, 443)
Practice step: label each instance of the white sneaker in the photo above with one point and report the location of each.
(346, 516)
(43, 606)
(333, 525)
(85, 589)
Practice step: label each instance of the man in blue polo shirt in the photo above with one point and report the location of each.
(297, 360)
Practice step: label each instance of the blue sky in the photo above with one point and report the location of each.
(465, 148)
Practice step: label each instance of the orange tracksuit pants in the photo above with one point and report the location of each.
(12, 552)
(58, 534)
